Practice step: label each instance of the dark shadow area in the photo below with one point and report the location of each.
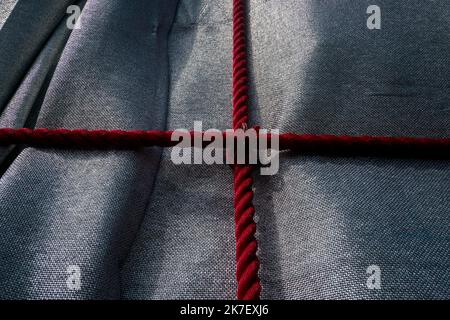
(41, 23)
(393, 81)
(57, 38)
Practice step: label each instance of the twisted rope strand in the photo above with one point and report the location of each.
(412, 147)
(247, 262)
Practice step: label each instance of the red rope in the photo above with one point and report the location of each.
(304, 143)
(86, 139)
(411, 147)
(247, 262)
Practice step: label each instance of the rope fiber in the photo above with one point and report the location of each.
(247, 262)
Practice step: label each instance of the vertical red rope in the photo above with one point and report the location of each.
(247, 263)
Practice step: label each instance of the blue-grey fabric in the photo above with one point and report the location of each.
(140, 227)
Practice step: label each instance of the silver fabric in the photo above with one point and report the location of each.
(6, 7)
(140, 227)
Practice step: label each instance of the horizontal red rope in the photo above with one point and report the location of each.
(305, 143)
(411, 147)
(86, 139)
